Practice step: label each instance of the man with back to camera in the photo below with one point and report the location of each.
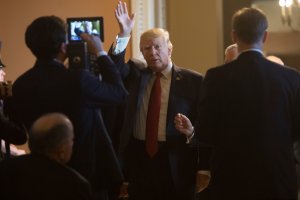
(42, 174)
(250, 113)
(49, 87)
(231, 53)
(166, 167)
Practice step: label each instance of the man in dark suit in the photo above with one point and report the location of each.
(168, 172)
(50, 87)
(42, 174)
(250, 113)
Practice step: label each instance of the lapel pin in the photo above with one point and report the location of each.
(178, 77)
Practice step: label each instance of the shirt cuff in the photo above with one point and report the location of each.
(120, 44)
(101, 53)
(204, 172)
(189, 138)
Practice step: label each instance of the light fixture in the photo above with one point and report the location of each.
(286, 10)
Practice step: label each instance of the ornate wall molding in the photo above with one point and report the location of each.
(149, 14)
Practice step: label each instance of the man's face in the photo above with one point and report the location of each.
(88, 27)
(2, 74)
(156, 53)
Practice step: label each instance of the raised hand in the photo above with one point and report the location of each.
(94, 43)
(125, 21)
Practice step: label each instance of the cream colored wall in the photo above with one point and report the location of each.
(195, 28)
(15, 15)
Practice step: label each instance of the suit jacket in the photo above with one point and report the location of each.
(183, 98)
(37, 177)
(250, 113)
(11, 132)
(50, 87)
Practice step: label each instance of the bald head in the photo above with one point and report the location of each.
(275, 59)
(231, 53)
(52, 135)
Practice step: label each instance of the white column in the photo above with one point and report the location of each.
(149, 14)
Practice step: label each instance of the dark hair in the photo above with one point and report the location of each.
(45, 35)
(47, 141)
(249, 24)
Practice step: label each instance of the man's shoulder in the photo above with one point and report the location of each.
(76, 175)
(187, 72)
(219, 69)
(291, 76)
(26, 75)
(13, 163)
(292, 71)
(138, 63)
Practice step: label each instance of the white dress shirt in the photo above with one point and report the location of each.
(139, 130)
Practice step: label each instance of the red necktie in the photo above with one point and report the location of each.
(153, 117)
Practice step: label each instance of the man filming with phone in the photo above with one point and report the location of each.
(50, 87)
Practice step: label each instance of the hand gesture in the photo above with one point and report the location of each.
(183, 125)
(125, 21)
(123, 191)
(202, 181)
(94, 43)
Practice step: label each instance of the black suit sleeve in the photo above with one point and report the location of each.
(119, 60)
(10, 131)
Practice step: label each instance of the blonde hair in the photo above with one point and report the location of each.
(155, 33)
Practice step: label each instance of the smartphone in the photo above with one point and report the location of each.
(90, 25)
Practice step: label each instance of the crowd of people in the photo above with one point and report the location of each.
(230, 134)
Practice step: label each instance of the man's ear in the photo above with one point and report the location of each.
(62, 54)
(233, 37)
(61, 153)
(63, 48)
(266, 34)
(170, 51)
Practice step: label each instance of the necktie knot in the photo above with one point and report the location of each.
(158, 75)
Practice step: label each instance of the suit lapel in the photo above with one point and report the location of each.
(176, 77)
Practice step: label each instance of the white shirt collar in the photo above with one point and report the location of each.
(257, 50)
(168, 71)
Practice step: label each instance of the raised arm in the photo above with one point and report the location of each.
(125, 21)
(111, 88)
